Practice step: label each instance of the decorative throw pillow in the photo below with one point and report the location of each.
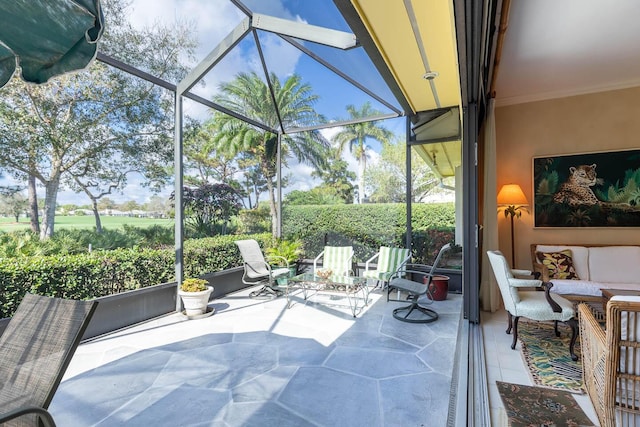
(560, 264)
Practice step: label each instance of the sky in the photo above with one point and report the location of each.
(212, 20)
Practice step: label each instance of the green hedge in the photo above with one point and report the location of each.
(366, 227)
(101, 273)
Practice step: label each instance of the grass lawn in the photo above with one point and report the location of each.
(86, 221)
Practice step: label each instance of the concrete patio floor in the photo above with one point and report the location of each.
(257, 363)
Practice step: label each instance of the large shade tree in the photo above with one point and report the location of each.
(337, 178)
(388, 182)
(203, 163)
(355, 136)
(209, 209)
(92, 128)
(249, 94)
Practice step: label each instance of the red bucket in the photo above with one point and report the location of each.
(439, 287)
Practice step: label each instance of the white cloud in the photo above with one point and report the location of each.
(300, 178)
(211, 20)
(280, 56)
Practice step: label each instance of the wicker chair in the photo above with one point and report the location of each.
(611, 361)
(35, 350)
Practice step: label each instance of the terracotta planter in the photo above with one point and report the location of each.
(439, 287)
(195, 303)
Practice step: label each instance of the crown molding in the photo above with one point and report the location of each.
(522, 99)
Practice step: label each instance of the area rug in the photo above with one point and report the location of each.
(529, 406)
(547, 356)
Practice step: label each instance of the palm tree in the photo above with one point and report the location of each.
(250, 95)
(356, 135)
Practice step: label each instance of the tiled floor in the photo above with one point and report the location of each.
(256, 363)
(504, 364)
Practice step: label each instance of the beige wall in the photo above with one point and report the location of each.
(578, 124)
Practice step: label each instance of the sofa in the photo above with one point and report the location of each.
(579, 272)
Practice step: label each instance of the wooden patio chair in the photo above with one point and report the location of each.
(35, 350)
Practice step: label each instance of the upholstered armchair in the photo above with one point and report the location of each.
(611, 361)
(534, 305)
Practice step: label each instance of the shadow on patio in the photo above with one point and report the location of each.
(258, 363)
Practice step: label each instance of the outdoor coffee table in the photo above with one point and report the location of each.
(355, 289)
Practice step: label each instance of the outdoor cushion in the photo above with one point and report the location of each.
(335, 258)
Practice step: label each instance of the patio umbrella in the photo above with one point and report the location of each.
(47, 38)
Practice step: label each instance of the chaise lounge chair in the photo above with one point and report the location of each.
(35, 350)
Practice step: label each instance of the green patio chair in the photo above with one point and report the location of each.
(35, 350)
(338, 259)
(389, 260)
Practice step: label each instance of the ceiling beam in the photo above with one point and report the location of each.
(219, 52)
(300, 30)
(343, 123)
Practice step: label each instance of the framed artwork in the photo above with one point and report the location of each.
(587, 190)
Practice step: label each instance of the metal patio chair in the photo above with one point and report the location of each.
(338, 259)
(388, 260)
(416, 290)
(257, 270)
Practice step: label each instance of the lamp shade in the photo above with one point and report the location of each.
(512, 195)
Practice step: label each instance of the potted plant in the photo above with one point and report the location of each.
(285, 253)
(195, 295)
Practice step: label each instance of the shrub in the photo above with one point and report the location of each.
(101, 273)
(63, 267)
(75, 241)
(192, 284)
(366, 227)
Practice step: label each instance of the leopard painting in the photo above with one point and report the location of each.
(576, 191)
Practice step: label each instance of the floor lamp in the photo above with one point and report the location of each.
(513, 200)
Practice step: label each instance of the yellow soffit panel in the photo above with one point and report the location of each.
(442, 157)
(390, 26)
